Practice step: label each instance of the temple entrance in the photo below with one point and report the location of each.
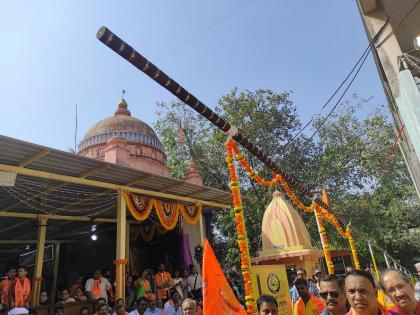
(163, 247)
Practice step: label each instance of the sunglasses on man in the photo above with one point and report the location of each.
(333, 294)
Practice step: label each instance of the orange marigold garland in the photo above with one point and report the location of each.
(241, 230)
(353, 248)
(324, 241)
(139, 207)
(167, 213)
(321, 213)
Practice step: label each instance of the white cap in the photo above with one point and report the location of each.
(18, 311)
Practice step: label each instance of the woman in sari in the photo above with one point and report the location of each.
(143, 286)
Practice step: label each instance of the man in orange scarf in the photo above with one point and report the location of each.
(22, 292)
(307, 304)
(163, 283)
(7, 285)
(362, 294)
(98, 287)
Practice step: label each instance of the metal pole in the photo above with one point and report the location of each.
(386, 261)
(374, 261)
(55, 271)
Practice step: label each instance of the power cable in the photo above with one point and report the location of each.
(398, 25)
(329, 100)
(363, 56)
(123, 78)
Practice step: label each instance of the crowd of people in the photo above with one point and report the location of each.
(149, 293)
(356, 293)
(161, 293)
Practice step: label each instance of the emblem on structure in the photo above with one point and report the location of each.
(273, 283)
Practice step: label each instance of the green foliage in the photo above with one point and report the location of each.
(350, 156)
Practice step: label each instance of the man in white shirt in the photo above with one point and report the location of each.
(152, 309)
(195, 284)
(173, 305)
(97, 287)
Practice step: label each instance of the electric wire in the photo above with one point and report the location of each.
(125, 77)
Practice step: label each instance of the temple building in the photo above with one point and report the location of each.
(112, 206)
(126, 140)
(286, 239)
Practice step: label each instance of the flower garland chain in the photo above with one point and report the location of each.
(324, 241)
(353, 248)
(241, 230)
(323, 213)
(167, 213)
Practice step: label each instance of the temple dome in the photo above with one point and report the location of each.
(125, 140)
(121, 125)
(283, 229)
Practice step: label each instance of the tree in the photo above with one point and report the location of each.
(346, 157)
(368, 183)
(269, 120)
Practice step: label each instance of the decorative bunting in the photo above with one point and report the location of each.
(167, 213)
(323, 213)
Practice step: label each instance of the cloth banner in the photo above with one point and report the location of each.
(218, 297)
(186, 253)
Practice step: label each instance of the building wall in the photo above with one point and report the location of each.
(403, 100)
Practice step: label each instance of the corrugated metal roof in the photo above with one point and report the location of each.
(27, 195)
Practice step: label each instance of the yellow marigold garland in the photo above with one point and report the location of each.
(241, 230)
(167, 213)
(324, 241)
(329, 217)
(353, 248)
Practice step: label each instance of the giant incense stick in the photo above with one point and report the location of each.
(136, 59)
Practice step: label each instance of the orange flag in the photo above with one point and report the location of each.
(218, 297)
(325, 197)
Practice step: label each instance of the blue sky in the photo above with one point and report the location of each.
(50, 58)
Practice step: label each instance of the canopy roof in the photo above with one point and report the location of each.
(67, 187)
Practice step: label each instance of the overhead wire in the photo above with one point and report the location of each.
(359, 63)
(123, 78)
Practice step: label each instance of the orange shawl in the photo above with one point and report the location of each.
(5, 287)
(317, 303)
(163, 278)
(22, 292)
(96, 290)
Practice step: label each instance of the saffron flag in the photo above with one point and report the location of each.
(325, 197)
(218, 297)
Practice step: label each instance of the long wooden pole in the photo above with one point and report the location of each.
(136, 59)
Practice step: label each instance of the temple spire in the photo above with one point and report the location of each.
(122, 106)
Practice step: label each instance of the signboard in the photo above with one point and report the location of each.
(272, 280)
